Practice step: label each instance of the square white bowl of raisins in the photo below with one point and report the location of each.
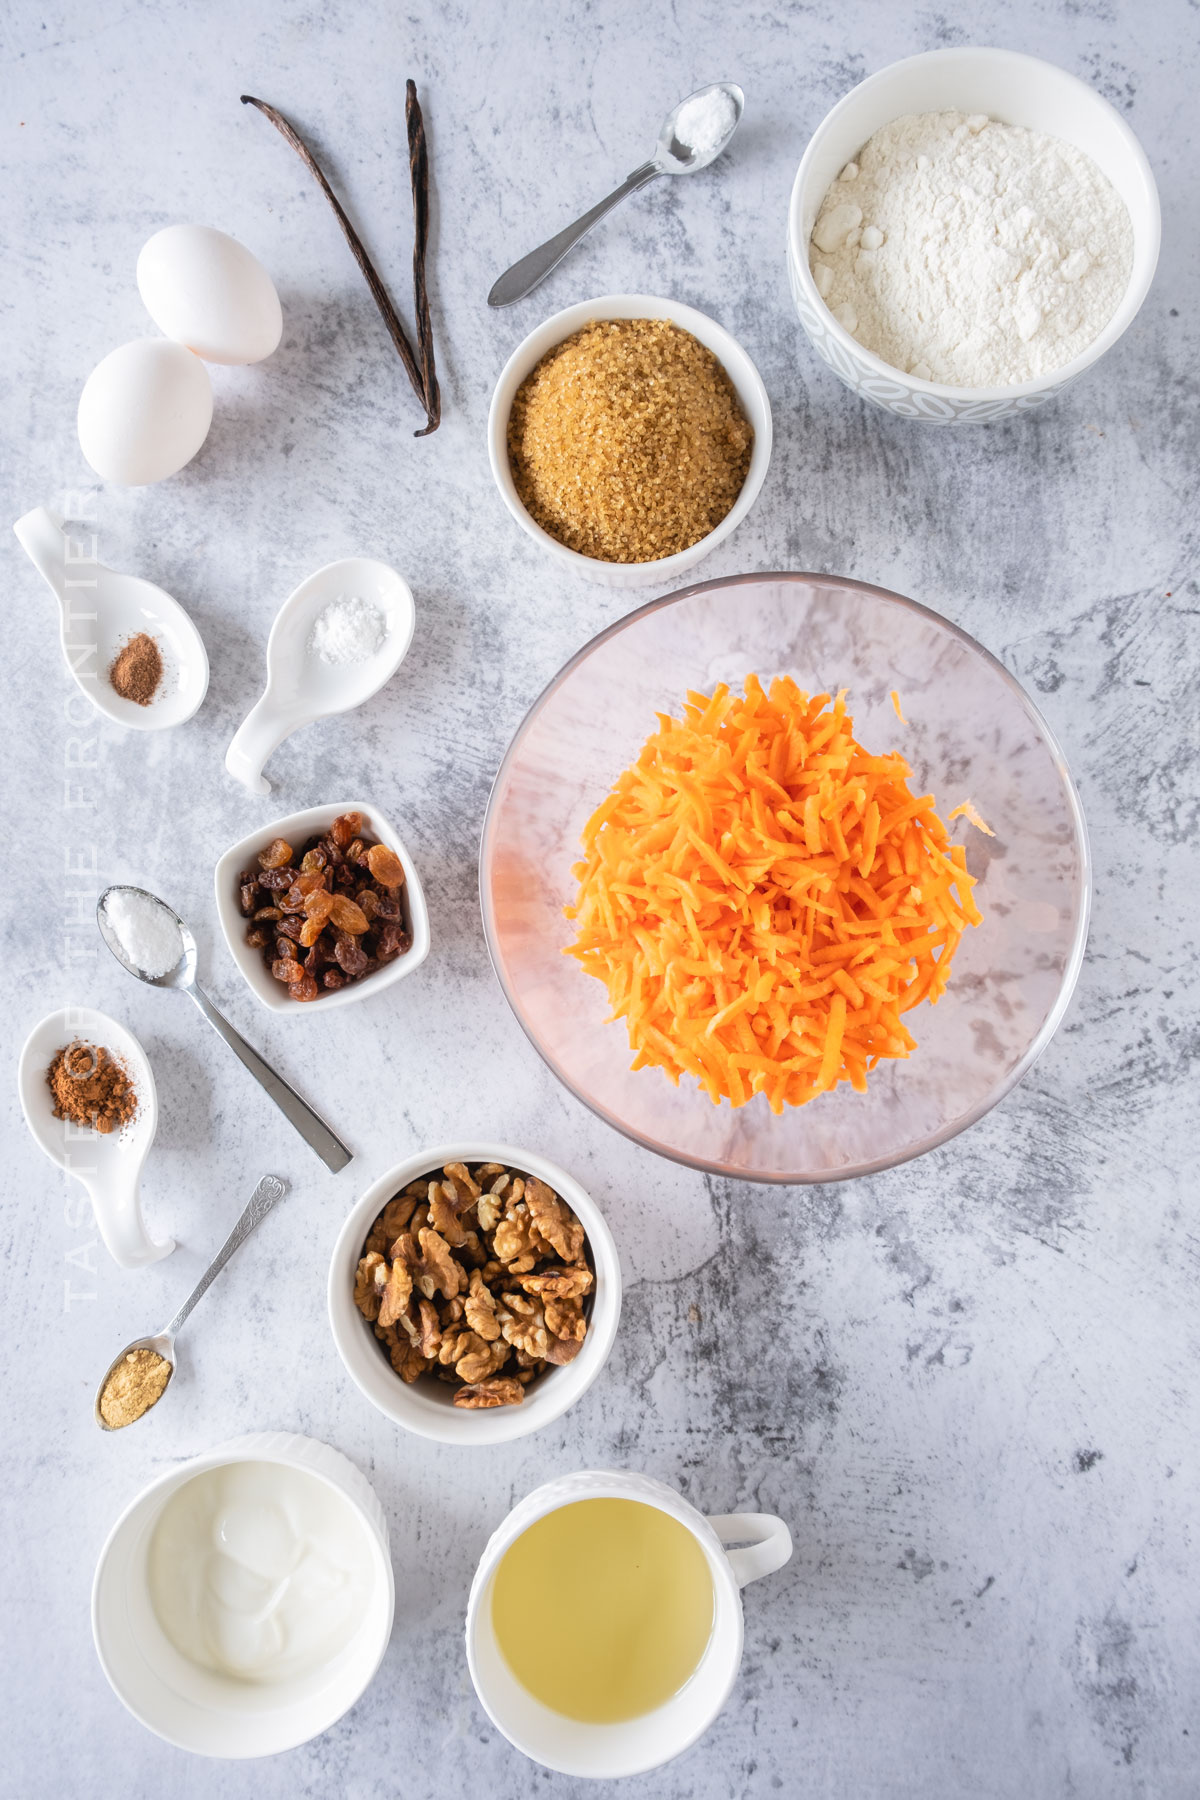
(307, 919)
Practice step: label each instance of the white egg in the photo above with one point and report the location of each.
(205, 290)
(144, 411)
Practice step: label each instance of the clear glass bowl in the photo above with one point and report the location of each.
(972, 733)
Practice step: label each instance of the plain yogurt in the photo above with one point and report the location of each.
(259, 1571)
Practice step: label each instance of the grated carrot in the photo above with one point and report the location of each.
(896, 706)
(967, 811)
(763, 900)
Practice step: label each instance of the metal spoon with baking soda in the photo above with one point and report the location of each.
(137, 1379)
(151, 941)
(691, 137)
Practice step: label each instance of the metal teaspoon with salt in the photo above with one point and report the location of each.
(181, 973)
(691, 137)
(270, 1189)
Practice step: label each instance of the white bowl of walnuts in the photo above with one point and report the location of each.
(474, 1293)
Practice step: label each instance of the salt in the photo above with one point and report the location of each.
(705, 121)
(349, 630)
(145, 929)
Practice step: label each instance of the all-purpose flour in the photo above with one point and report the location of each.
(971, 253)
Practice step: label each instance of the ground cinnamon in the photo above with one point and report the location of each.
(91, 1087)
(137, 669)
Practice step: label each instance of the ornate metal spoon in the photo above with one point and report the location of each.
(270, 1189)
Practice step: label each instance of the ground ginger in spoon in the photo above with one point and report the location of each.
(137, 1383)
(765, 901)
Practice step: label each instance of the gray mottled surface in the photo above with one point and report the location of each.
(970, 1385)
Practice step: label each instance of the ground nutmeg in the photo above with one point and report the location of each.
(137, 669)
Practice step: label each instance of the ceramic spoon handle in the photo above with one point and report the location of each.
(525, 275)
(118, 1213)
(260, 732)
(312, 1128)
(41, 537)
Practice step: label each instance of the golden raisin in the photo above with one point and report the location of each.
(385, 866)
(318, 904)
(277, 855)
(346, 915)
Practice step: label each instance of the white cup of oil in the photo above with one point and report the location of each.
(655, 1637)
(244, 1600)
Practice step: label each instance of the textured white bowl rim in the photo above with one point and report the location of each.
(296, 1450)
(688, 318)
(309, 823)
(1070, 973)
(1123, 317)
(450, 1424)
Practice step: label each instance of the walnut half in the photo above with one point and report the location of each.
(499, 1391)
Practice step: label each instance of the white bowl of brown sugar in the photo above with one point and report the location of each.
(629, 436)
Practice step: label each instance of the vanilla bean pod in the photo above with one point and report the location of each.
(418, 163)
(413, 365)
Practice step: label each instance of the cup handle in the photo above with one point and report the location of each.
(765, 1544)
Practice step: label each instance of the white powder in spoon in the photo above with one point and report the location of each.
(971, 253)
(145, 930)
(705, 121)
(348, 630)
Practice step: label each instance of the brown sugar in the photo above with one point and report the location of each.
(136, 1384)
(137, 669)
(90, 1087)
(628, 442)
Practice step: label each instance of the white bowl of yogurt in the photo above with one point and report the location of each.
(1013, 89)
(243, 1601)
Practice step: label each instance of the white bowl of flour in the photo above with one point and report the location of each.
(970, 230)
